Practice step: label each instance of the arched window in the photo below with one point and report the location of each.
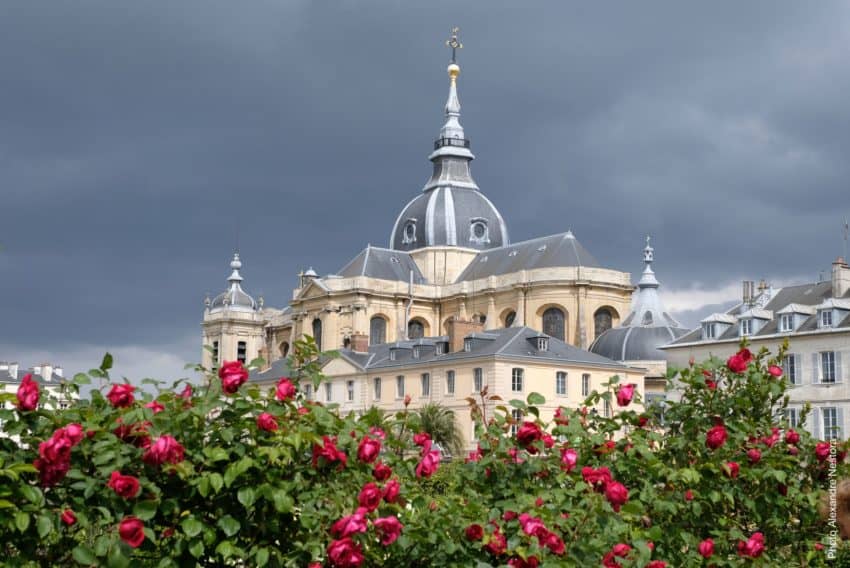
(647, 318)
(377, 330)
(284, 349)
(415, 329)
(509, 318)
(317, 332)
(553, 323)
(602, 321)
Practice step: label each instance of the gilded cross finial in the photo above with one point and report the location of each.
(454, 43)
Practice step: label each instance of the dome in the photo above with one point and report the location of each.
(647, 327)
(234, 298)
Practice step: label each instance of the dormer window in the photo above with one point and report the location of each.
(440, 348)
(409, 235)
(826, 318)
(393, 354)
(467, 345)
(708, 331)
(416, 352)
(786, 322)
(542, 343)
(479, 233)
(746, 327)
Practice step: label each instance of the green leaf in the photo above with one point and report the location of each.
(81, 379)
(117, 559)
(107, 362)
(283, 503)
(22, 520)
(145, 510)
(226, 549)
(262, 557)
(192, 527)
(229, 525)
(536, 398)
(246, 496)
(45, 525)
(216, 481)
(101, 545)
(196, 548)
(84, 555)
(32, 494)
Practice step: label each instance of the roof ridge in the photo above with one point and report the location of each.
(510, 341)
(365, 261)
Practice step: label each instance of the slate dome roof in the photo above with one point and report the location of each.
(234, 298)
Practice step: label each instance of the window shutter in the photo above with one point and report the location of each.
(815, 368)
(839, 371)
(839, 419)
(798, 369)
(816, 423)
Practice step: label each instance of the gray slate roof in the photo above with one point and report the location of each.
(636, 343)
(7, 378)
(552, 251)
(383, 263)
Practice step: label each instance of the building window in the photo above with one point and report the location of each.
(350, 390)
(516, 380)
(585, 385)
(215, 355)
(399, 386)
(602, 321)
(786, 322)
(416, 352)
(607, 409)
(509, 318)
(792, 415)
(542, 344)
(478, 232)
(284, 349)
(308, 391)
(426, 384)
(415, 329)
(477, 379)
(827, 366)
(376, 382)
(377, 330)
(561, 383)
(708, 331)
(440, 348)
(826, 318)
(467, 345)
(409, 235)
(831, 426)
(516, 414)
(329, 391)
(553, 323)
(746, 327)
(789, 365)
(317, 333)
(241, 352)
(450, 382)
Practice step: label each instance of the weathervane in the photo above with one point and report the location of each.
(454, 43)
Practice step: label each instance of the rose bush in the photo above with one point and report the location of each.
(231, 473)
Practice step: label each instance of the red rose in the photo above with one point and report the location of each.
(267, 422)
(121, 396)
(792, 437)
(474, 456)
(657, 564)
(716, 437)
(771, 440)
(617, 551)
(554, 543)
(822, 451)
(406, 400)
(370, 497)
(382, 471)
(68, 517)
(532, 526)
(775, 371)
(527, 433)
(155, 406)
(187, 392)
(233, 375)
(125, 486)
(429, 464)
(738, 362)
(496, 544)
(560, 417)
(28, 394)
(643, 420)
(345, 553)
(132, 531)
(350, 525)
(753, 547)
(596, 478)
(617, 495)
(711, 384)
(625, 394)
(389, 529)
(328, 452)
(509, 515)
(783, 489)
(474, 532)
(391, 491)
(285, 389)
(754, 455)
(421, 438)
(164, 449)
(689, 495)
(731, 469)
(548, 441)
(75, 433)
(569, 459)
(368, 449)
(706, 548)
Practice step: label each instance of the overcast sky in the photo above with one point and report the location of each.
(139, 141)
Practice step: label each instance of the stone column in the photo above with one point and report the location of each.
(519, 320)
(581, 297)
(401, 324)
(462, 315)
(491, 322)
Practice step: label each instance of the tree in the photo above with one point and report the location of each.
(440, 423)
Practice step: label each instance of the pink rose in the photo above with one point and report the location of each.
(382, 471)
(532, 526)
(754, 455)
(285, 389)
(345, 553)
(164, 449)
(822, 451)
(267, 422)
(429, 464)
(617, 495)
(738, 362)
(125, 486)
(28, 394)
(569, 459)
(561, 419)
(706, 548)
(368, 449)
(775, 371)
(389, 529)
(753, 547)
(68, 517)
(792, 437)
(391, 491)
(421, 438)
(233, 375)
(187, 392)
(731, 469)
(406, 400)
(350, 525)
(328, 452)
(528, 433)
(370, 497)
(625, 394)
(155, 406)
(121, 396)
(716, 437)
(474, 532)
(132, 531)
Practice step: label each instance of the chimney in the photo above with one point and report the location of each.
(13, 370)
(840, 278)
(458, 329)
(360, 342)
(59, 372)
(749, 292)
(4, 366)
(46, 371)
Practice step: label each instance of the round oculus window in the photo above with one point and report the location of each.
(479, 230)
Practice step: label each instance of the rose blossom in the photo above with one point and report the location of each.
(389, 527)
(381, 471)
(620, 550)
(731, 469)
(497, 544)
(753, 547)
(822, 451)
(711, 384)
(617, 495)
(596, 478)
(430, 462)
(657, 564)
(368, 449)
(125, 486)
(121, 396)
(561, 419)
(716, 437)
(370, 497)
(527, 433)
(391, 491)
(738, 362)
(569, 459)
(689, 495)
(267, 422)
(775, 371)
(792, 437)
(421, 438)
(329, 452)
(132, 531)
(164, 449)
(706, 548)
(155, 406)
(345, 553)
(474, 532)
(350, 525)
(625, 394)
(187, 392)
(233, 375)
(754, 455)
(532, 526)
(285, 389)
(28, 394)
(68, 517)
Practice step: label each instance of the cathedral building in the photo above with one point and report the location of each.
(449, 258)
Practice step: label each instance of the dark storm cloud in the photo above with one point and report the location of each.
(140, 141)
